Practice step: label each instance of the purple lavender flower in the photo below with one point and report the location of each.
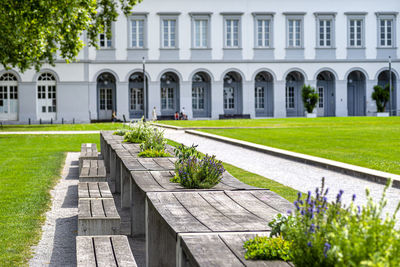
(309, 244)
(354, 197)
(312, 228)
(326, 248)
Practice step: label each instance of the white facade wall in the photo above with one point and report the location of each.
(77, 95)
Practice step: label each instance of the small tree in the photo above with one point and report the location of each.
(381, 97)
(310, 97)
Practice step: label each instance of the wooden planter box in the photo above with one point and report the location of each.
(93, 251)
(93, 171)
(106, 139)
(143, 183)
(98, 217)
(218, 249)
(170, 215)
(94, 190)
(127, 151)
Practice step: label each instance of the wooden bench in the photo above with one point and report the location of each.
(88, 151)
(93, 171)
(172, 213)
(95, 251)
(143, 183)
(94, 190)
(106, 139)
(129, 165)
(98, 216)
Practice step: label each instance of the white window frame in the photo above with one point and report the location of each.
(137, 17)
(322, 16)
(263, 17)
(112, 40)
(387, 16)
(203, 16)
(169, 16)
(295, 16)
(232, 16)
(356, 16)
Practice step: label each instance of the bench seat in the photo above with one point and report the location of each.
(93, 171)
(94, 251)
(88, 151)
(94, 190)
(98, 217)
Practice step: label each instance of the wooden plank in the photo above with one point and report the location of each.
(104, 190)
(110, 209)
(230, 209)
(207, 214)
(175, 215)
(254, 205)
(97, 209)
(133, 165)
(208, 250)
(229, 180)
(101, 171)
(85, 256)
(104, 251)
(84, 208)
(274, 200)
(93, 168)
(149, 164)
(122, 250)
(163, 179)
(83, 190)
(145, 181)
(165, 163)
(94, 191)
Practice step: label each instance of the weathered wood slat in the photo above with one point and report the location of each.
(123, 253)
(104, 190)
(165, 163)
(163, 179)
(229, 180)
(104, 252)
(94, 190)
(84, 208)
(145, 181)
(97, 209)
(109, 208)
(274, 200)
(207, 214)
(93, 171)
(150, 164)
(85, 254)
(133, 164)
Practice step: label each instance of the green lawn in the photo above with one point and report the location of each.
(61, 127)
(29, 167)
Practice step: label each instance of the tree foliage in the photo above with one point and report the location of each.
(34, 31)
(310, 97)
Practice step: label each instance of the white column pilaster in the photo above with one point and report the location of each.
(279, 99)
(186, 98)
(122, 93)
(341, 98)
(248, 99)
(217, 99)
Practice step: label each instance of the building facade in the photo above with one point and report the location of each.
(220, 58)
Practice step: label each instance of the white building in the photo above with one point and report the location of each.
(219, 58)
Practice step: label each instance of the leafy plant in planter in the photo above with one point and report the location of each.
(194, 171)
(310, 98)
(150, 153)
(381, 97)
(121, 132)
(154, 144)
(324, 233)
(138, 133)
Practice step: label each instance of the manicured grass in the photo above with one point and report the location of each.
(374, 145)
(61, 127)
(257, 180)
(29, 167)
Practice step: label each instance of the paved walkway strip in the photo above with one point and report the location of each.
(294, 174)
(51, 132)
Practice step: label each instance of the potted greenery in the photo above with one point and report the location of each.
(381, 97)
(310, 100)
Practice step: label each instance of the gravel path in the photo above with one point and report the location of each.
(57, 246)
(299, 176)
(53, 132)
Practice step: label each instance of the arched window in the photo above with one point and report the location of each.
(46, 96)
(136, 96)
(169, 93)
(8, 97)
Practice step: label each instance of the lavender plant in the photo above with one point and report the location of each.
(330, 234)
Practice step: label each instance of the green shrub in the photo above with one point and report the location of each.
(183, 153)
(268, 248)
(331, 234)
(138, 132)
(121, 132)
(310, 97)
(150, 153)
(381, 97)
(154, 141)
(196, 172)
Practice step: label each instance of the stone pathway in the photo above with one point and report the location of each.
(57, 246)
(299, 176)
(52, 132)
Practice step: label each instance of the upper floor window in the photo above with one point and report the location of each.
(232, 33)
(169, 33)
(201, 33)
(386, 32)
(294, 33)
(325, 29)
(263, 32)
(104, 41)
(356, 32)
(137, 37)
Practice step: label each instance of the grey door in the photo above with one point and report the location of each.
(326, 102)
(136, 100)
(231, 98)
(356, 98)
(294, 104)
(264, 103)
(383, 80)
(169, 104)
(201, 105)
(105, 103)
